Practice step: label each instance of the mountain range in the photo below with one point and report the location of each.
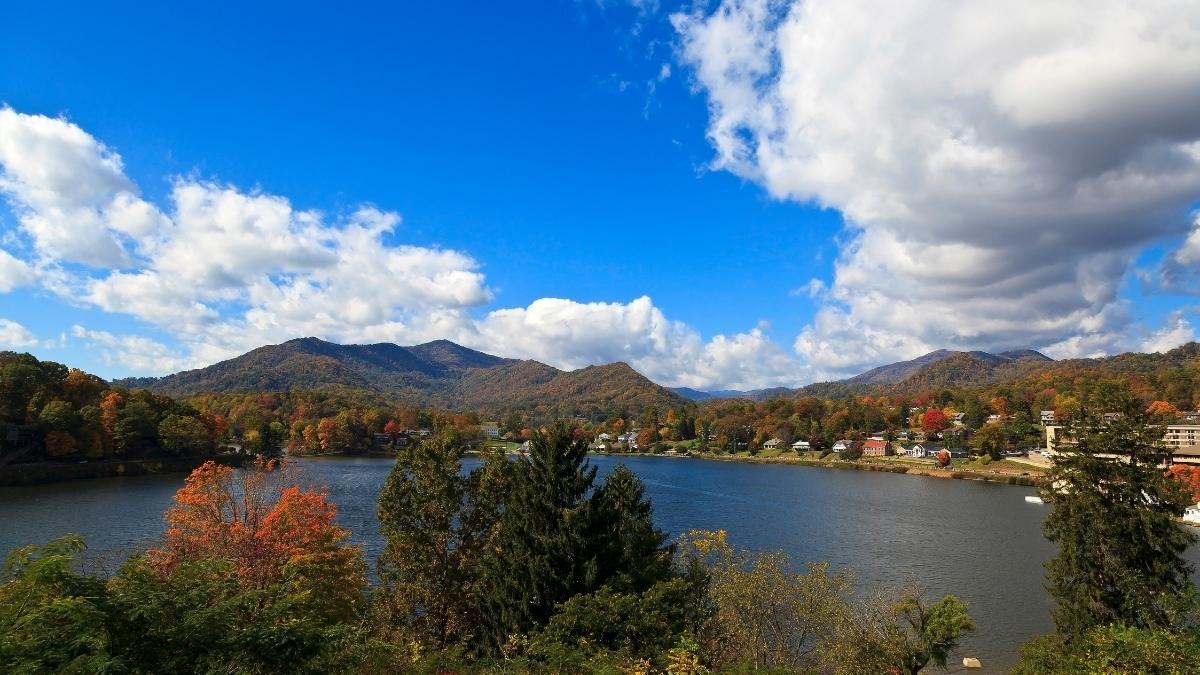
(447, 375)
(439, 373)
(941, 368)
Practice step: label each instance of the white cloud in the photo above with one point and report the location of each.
(14, 273)
(222, 270)
(998, 163)
(1175, 331)
(69, 191)
(569, 334)
(15, 336)
(136, 354)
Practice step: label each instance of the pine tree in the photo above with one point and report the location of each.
(537, 565)
(1115, 520)
(630, 553)
(558, 538)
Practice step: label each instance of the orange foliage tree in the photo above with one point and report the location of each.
(1189, 475)
(1163, 409)
(267, 526)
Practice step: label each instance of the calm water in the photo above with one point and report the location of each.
(977, 540)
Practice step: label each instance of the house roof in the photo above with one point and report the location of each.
(875, 444)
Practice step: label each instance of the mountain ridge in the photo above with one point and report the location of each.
(440, 373)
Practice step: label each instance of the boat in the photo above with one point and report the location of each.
(1034, 499)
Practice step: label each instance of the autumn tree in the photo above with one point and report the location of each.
(763, 614)
(1189, 476)
(1162, 411)
(266, 526)
(897, 632)
(933, 421)
(943, 458)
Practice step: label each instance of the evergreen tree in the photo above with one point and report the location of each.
(438, 523)
(1114, 519)
(537, 565)
(558, 538)
(630, 553)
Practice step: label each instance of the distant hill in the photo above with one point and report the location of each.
(752, 394)
(899, 372)
(439, 373)
(966, 369)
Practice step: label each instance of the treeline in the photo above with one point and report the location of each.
(726, 425)
(532, 565)
(51, 412)
(335, 422)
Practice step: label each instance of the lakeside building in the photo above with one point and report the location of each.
(773, 444)
(876, 448)
(1182, 440)
(490, 429)
(801, 446)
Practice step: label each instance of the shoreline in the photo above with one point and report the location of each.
(56, 472)
(1031, 480)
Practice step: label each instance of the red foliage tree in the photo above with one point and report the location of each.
(393, 429)
(934, 420)
(943, 458)
(264, 523)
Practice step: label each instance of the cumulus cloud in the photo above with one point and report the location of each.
(998, 164)
(570, 334)
(69, 191)
(223, 270)
(1176, 331)
(134, 353)
(14, 273)
(15, 336)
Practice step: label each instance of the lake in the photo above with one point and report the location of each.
(980, 541)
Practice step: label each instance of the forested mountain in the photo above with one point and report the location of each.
(904, 370)
(436, 374)
(946, 369)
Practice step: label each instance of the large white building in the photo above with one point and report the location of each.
(1182, 439)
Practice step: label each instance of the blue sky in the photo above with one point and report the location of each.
(593, 153)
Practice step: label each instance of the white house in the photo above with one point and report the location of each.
(919, 451)
(772, 444)
(603, 438)
(1047, 417)
(801, 446)
(842, 446)
(490, 429)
